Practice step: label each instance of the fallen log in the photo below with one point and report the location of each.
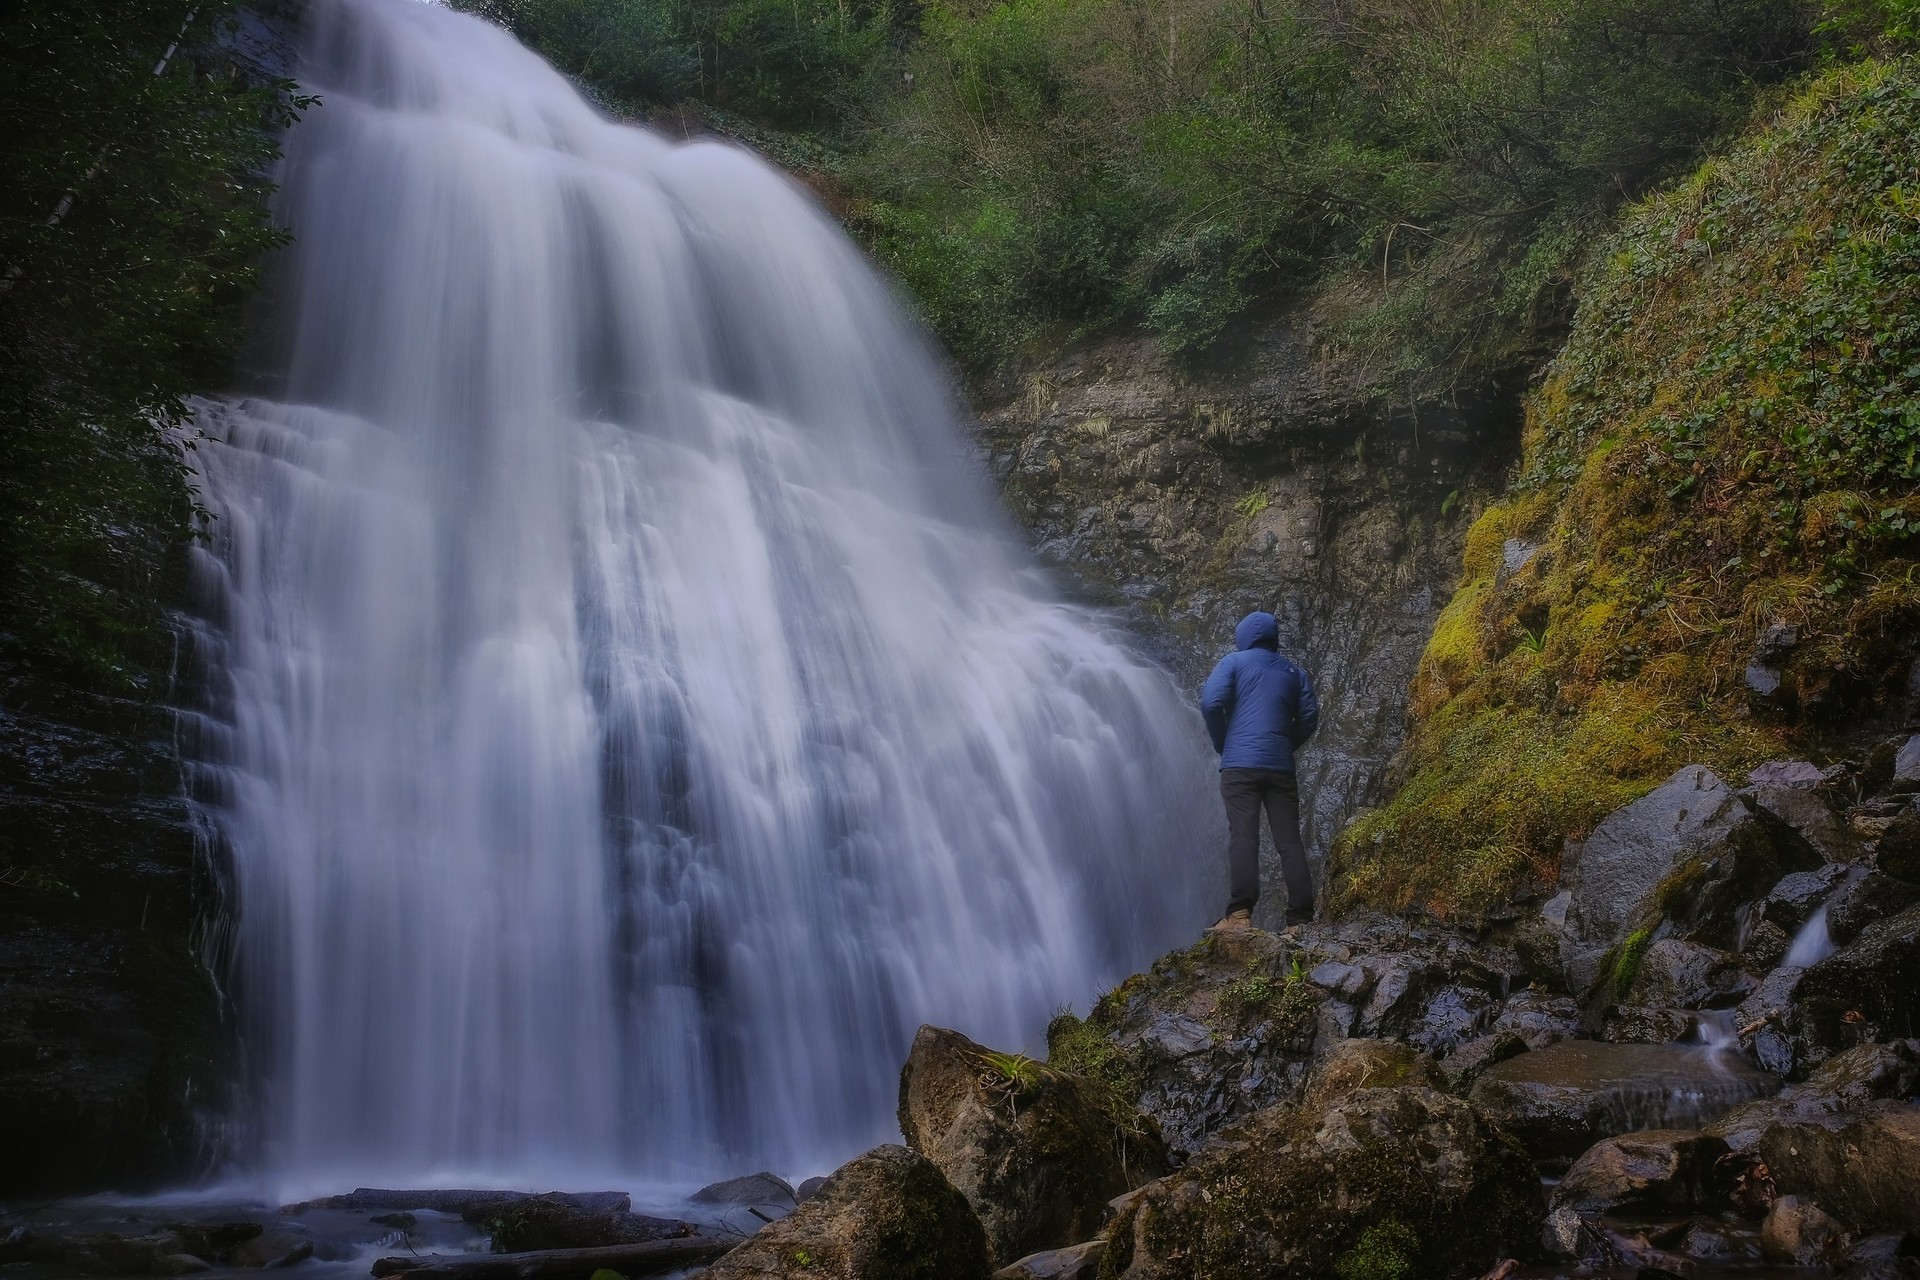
(649, 1258)
(460, 1202)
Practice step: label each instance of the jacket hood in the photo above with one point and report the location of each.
(1257, 631)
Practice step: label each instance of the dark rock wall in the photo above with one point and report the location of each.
(109, 1019)
(1280, 484)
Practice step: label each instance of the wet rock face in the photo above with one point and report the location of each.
(1866, 992)
(560, 1222)
(1692, 853)
(1241, 1021)
(1863, 1164)
(1561, 1100)
(886, 1215)
(1407, 1172)
(1036, 1152)
(1277, 486)
(1653, 1170)
(109, 1025)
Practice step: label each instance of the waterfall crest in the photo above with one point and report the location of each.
(630, 715)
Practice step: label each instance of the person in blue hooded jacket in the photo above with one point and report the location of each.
(1260, 709)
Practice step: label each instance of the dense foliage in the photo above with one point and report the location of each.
(1727, 449)
(1041, 170)
(118, 308)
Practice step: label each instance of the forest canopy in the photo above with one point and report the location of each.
(1041, 171)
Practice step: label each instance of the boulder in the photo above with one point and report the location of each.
(1867, 991)
(1686, 975)
(1862, 1165)
(1803, 809)
(1863, 898)
(1854, 1078)
(1464, 1065)
(1799, 1233)
(1787, 774)
(1897, 853)
(1560, 1100)
(1075, 1262)
(1379, 1182)
(1796, 896)
(558, 1222)
(1350, 1065)
(1906, 763)
(886, 1215)
(1656, 1170)
(1206, 1035)
(1036, 1151)
(1691, 850)
(1637, 1024)
(1539, 1017)
(748, 1189)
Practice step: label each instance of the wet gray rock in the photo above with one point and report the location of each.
(1037, 1155)
(1803, 808)
(1692, 851)
(1075, 1262)
(1887, 1256)
(1464, 1065)
(1638, 1024)
(1655, 1170)
(1538, 1017)
(559, 1222)
(1906, 762)
(1799, 1233)
(886, 1215)
(1290, 1190)
(1862, 1164)
(1864, 897)
(1766, 946)
(1800, 774)
(1897, 852)
(1849, 1080)
(1868, 990)
(1794, 898)
(1686, 975)
(748, 1189)
(1560, 1100)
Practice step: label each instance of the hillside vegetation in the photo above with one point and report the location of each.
(1038, 172)
(1722, 468)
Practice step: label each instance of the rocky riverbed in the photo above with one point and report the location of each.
(1699, 1058)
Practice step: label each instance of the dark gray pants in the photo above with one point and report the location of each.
(1246, 792)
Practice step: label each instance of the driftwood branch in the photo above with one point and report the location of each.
(650, 1258)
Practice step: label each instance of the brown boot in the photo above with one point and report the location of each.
(1234, 921)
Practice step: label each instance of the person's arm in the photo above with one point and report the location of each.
(1306, 710)
(1216, 703)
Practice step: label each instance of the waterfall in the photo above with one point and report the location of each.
(630, 714)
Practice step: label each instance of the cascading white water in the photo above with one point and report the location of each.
(630, 714)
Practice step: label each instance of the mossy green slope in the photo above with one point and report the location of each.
(1730, 441)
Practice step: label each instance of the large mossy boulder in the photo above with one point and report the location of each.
(1036, 1151)
(886, 1215)
(1377, 1182)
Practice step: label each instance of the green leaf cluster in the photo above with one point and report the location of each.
(132, 223)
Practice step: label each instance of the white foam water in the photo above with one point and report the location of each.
(630, 714)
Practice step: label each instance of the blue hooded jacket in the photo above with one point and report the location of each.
(1258, 703)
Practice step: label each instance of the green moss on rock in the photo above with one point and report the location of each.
(1728, 446)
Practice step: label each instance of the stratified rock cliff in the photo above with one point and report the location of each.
(1287, 482)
